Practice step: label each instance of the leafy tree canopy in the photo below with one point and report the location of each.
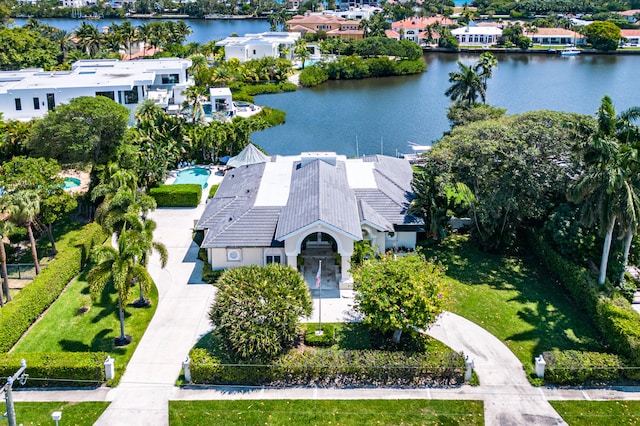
(86, 130)
(22, 48)
(256, 310)
(400, 294)
(603, 35)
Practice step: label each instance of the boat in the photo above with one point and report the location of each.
(569, 51)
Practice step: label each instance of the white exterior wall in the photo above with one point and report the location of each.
(250, 256)
(257, 51)
(401, 239)
(477, 35)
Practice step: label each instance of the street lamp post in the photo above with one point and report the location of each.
(22, 378)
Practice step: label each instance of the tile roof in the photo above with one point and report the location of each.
(560, 32)
(630, 33)
(420, 22)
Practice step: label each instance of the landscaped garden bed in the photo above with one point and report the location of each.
(358, 358)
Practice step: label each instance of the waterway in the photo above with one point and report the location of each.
(383, 115)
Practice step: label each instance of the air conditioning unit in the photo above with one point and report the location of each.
(234, 255)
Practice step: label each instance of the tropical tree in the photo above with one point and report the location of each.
(89, 38)
(603, 35)
(116, 270)
(484, 67)
(300, 51)
(256, 310)
(398, 294)
(466, 85)
(143, 236)
(5, 228)
(23, 207)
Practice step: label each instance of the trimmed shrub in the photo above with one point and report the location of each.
(212, 190)
(312, 76)
(327, 338)
(620, 324)
(181, 195)
(76, 368)
(16, 317)
(324, 367)
(575, 367)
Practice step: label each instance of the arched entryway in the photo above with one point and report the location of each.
(317, 247)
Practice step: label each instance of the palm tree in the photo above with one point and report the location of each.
(23, 208)
(118, 268)
(300, 51)
(128, 34)
(467, 85)
(143, 235)
(5, 228)
(484, 67)
(145, 34)
(89, 38)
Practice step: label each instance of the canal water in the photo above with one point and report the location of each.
(383, 115)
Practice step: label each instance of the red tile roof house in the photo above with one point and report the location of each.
(415, 29)
(555, 36)
(630, 38)
(334, 26)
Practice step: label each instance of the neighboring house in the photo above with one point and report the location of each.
(475, 36)
(630, 38)
(222, 101)
(334, 26)
(355, 13)
(415, 29)
(255, 46)
(316, 204)
(630, 15)
(555, 36)
(31, 93)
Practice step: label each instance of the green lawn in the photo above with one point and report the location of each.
(326, 412)
(64, 329)
(601, 413)
(73, 413)
(515, 300)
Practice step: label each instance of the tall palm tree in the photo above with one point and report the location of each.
(23, 208)
(145, 34)
(117, 267)
(89, 38)
(143, 235)
(484, 67)
(129, 35)
(467, 85)
(5, 228)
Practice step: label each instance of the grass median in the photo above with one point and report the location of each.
(325, 412)
(601, 413)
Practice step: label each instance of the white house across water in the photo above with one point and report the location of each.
(31, 93)
(289, 209)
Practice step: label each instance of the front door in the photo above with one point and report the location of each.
(51, 101)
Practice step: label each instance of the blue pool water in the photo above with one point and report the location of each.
(197, 175)
(70, 182)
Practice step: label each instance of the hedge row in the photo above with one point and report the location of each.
(335, 368)
(575, 367)
(77, 368)
(614, 318)
(16, 317)
(180, 195)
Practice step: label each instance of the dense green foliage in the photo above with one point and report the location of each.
(403, 293)
(312, 76)
(21, 48)
(86, 130)
(256, 310)
(356, 67)
(576, 368)
(460, 114)
(603, 36)
(86, 367)
(409, 412)
(28, 305)
(517, 168)
(180, 195)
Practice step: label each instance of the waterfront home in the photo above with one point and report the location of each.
(416, 28)
(474, 36)
(334, 26)
(555, 37)
(355, 13)
(283, 209)
(630, 15)
(630, 38)
(31, 93)
(255, 46)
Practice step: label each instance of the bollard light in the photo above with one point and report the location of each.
(56, 416)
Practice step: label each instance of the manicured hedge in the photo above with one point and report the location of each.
(75, 368)
(575, 367)
(614, 318)
(335, 368)
(325, 339)
(16, 317)
(180, 195)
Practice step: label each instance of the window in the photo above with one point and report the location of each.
(170, 78)
(131, 96)
(18, 104)
(109, 95)
(274, 259)
(36, 103)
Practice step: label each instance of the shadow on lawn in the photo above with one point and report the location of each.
(102, 342)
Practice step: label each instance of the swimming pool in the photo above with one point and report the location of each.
(198, 175)
(70, 182)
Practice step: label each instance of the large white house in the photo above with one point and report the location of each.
(31, 93)
(477, 35)
(256, 46)
(290, 209)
